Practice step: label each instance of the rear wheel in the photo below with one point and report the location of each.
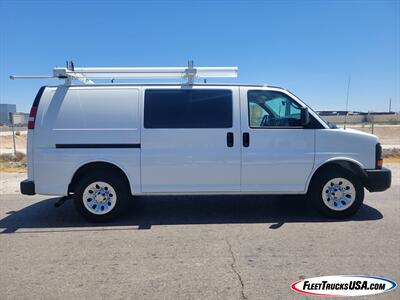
(101, 196)
(336, 192)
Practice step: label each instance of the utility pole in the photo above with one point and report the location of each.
(373, 124)
(347, 101)
(13, 133)
(390, 104)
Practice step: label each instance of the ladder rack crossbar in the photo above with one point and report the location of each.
(148, 73)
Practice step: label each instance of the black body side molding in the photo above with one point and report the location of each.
(72, 146)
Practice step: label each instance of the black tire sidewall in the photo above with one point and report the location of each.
(118, 184)
(315, 193)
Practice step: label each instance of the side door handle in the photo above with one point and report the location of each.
(246, 139)
(229, 139)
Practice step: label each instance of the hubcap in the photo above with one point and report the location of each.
(99, 198)
(338, 194)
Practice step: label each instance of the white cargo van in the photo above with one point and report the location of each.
(104, 143)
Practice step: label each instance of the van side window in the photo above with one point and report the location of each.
(172, 108)
(272, 109)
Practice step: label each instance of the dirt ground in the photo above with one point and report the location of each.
(6, 142)
(388, 134)
(9, 182)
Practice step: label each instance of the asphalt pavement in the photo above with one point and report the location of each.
(208, 247)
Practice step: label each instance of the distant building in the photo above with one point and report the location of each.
(21, 118)
(351, 113)
(359, 117)
(5, 110)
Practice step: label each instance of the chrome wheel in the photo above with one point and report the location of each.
(338, 194)
(99, 198)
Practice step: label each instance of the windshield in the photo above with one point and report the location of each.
(329, 124)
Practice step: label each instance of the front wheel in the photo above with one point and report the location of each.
(101, 196)
(336, 193)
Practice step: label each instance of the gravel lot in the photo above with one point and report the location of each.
(247, 247)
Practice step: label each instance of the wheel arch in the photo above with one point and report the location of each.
(349, 164)
(96, 165)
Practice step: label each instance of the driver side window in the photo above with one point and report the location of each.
(272, 109)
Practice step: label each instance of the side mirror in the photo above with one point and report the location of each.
(305, 116)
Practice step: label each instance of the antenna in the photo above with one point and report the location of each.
(347, 101)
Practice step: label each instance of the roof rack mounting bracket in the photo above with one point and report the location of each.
(190, 72)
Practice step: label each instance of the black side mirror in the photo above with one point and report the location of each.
(305, 116)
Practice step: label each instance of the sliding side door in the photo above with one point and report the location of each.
(190, 140)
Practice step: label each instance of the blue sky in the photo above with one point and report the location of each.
(309, 47)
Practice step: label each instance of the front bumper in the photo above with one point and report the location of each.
(378, 180)
(27, 187)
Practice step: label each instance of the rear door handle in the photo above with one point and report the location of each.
(246, 139)
(229, 139)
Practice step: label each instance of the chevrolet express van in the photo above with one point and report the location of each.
(102, 144)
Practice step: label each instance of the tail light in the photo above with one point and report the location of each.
(378, 156)
(32, 117)
(34, 109)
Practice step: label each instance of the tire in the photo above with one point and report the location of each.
(336, 193)
(101, 195)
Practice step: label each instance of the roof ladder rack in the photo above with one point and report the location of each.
(85, 75)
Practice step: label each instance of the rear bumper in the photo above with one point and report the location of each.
(378, 180)
(27, 187)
